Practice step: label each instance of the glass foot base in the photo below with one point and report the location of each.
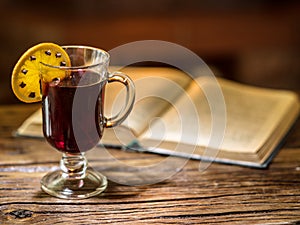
(61, 186)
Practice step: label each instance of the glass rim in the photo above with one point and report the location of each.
(83, 66)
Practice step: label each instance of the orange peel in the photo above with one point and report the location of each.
(30, 70)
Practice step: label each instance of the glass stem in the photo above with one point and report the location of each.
(73, 166)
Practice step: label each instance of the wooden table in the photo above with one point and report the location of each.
(221, 194)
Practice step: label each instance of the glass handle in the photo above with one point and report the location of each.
(130, 97)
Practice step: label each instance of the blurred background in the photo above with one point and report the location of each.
(255, 42)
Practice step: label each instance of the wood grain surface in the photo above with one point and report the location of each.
(221, 194)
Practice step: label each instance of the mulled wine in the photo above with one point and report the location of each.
(73, 111)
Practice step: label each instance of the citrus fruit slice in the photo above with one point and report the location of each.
(31, 69)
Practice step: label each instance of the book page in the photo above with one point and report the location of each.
(188, 120)
(252, 114)
(155, 88)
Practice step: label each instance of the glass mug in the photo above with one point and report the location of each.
(73, 120)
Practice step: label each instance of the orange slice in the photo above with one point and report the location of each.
(30, 69)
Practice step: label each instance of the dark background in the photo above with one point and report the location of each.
(255, 42)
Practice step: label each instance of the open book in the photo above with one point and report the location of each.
(176, 115)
